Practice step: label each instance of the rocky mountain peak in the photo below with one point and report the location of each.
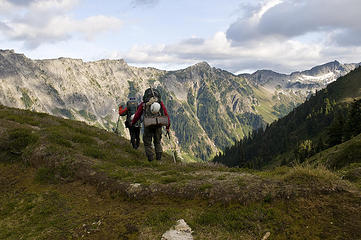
(323, 69)
(7, 51)
(264, 76)
(202, 65)
(208, 106)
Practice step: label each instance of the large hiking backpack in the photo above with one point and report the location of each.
(132, 105)
(151, 96)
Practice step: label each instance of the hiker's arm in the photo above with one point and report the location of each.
(138, 114)
(122, 112)
(166, 114)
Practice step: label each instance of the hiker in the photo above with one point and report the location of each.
(155, 116)
(134, 129)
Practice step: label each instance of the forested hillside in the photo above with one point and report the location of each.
(209, 108)
(63, 179)
(328, 118)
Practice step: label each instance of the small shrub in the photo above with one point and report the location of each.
(20, 138)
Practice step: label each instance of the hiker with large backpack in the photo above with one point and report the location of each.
(155, 116)
(134, 129)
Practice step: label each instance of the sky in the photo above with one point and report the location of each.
(235, 35)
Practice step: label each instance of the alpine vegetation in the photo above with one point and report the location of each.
(209, 108)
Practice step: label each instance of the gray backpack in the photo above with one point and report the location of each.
(153, 119)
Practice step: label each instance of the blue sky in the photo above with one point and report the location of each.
(235, 35)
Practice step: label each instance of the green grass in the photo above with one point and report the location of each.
(302, 174)
(34, 216)
(340, 155)
(168, 179)
(20, 138)
(205, 186)
(43, 195)
(45, 175)
(162, 219)
(351, 173)
(237, 218)
(94, 152)
(20, 118)
(310, 174)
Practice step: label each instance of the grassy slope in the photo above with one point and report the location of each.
(62, 179)
(344, 158)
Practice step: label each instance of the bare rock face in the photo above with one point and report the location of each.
(181, 231)
(209, 108)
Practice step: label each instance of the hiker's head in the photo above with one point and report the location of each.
(155, 107)
(151, 92)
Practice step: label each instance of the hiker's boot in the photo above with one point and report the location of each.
(158, 156)
(134, 143)
(137, 143)
(150, 158)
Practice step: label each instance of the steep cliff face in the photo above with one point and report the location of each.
(71, 88)
(209, 107)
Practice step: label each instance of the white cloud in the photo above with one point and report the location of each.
(49, 21)
(284, 19)
(282, 35)
(18, 2)
(283, 56)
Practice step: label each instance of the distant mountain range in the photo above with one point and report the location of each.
(315, 78)
(330, 117)
(210, 108)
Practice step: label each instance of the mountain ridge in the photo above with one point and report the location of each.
(327, 118)
(210, 106)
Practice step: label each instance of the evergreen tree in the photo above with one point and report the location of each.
(335, 131)
(353, 122)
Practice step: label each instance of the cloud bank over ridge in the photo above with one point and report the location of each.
(282, 35)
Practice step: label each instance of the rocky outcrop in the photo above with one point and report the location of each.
(209, 107)
(181, 231)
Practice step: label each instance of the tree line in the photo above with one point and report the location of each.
(317, 124)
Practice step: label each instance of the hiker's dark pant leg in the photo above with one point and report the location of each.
(147, 139)
(137, 139)
(157, 142)
(134, 136)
